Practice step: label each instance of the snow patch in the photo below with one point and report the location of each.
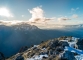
(79, 57)
(37, 57)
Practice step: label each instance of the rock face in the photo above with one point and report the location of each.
(49, 50)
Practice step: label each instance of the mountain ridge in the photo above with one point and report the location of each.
(54, 49)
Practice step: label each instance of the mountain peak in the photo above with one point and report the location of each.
(25, 26)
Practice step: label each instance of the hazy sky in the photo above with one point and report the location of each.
(63, 11)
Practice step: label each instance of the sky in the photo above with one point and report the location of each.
(42, 11)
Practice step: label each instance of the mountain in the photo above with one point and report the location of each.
(14, 37)
(62, 48)
(24, 27)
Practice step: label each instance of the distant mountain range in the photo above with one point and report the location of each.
(26, 23)
(14, 37)
(77, 26)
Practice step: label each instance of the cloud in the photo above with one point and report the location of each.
(47, 19)
(5, 12)
(74, 16)
(77, 8)
(63, 19)
(38, 15)
(74, 9)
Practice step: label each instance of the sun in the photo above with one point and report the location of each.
(5, 12)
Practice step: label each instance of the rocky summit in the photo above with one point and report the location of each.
(63, 48)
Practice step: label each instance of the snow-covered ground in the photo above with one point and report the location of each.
(79, 57)
(72, 49)
(37, 57)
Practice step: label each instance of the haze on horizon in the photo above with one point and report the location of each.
(42, 12)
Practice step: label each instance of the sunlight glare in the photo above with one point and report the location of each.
(5, 12)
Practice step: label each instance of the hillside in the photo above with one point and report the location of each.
(63, 48)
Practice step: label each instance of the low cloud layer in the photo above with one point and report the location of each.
(38, 15)
(74, 16)
(63, 19)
